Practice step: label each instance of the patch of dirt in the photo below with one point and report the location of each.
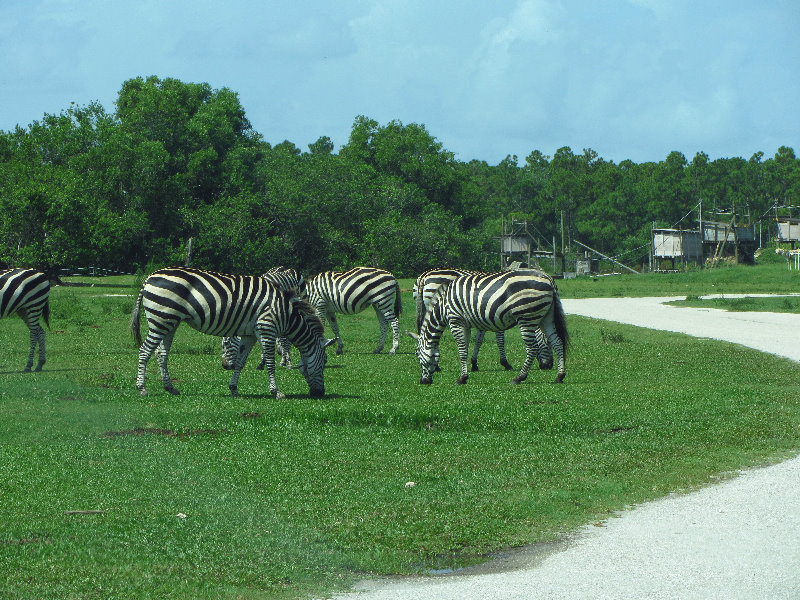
(140, 431)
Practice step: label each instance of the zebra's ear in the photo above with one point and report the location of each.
(412, 334)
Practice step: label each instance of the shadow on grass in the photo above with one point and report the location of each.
(99, 285)
(34, 373)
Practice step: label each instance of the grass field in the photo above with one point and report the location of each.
(107, 494)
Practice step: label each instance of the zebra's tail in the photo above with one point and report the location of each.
(46, 312)
(398, 300)
(560, 320)
(420, 311)
(137, 335)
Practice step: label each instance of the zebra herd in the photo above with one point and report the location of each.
(279, 309)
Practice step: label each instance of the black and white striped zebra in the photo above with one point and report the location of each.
(27, 293)
(252, 308)
(352, 291)
(494, 302)
(286, 279)
(425, 288)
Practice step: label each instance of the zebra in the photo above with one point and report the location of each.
(27, 293)
(494, 302)
(227, 305)
(424, 290)
(286, 279)
(350, 292)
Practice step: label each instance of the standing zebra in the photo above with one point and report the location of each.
(494, 302)
(351, 292)
(424, 291)
(227, 305)
(27, 293)
(285, 278)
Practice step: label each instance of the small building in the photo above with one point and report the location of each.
(710, 242)
(788, 230)
(679, 246)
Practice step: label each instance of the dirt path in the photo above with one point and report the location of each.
(737, 539)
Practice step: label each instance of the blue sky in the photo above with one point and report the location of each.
(631, 79)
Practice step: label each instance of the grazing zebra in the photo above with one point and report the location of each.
(494, 302)
(286, 279)
(351, 292)
(27, 293)
(425, 289)
(227, 305)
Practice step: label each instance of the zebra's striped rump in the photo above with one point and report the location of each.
(26, 292)
(495, 302)
(350, 292)
(252, 308)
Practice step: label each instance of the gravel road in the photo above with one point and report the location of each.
(736, 539)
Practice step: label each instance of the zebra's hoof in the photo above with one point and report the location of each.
(339, 351)
(377, 350)
(280, 395)
(474, 367)
(234, 391)
(171, 390)
(38, 368)
(27, 370)
(506, 365)
(462, 380)
(142, 392)
(426, 380)
(560, 378)
(518, 380)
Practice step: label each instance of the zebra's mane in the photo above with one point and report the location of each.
(307, 313)
(436, 301)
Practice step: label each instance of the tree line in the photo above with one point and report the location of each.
(179, 163)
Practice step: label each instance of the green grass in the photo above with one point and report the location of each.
(728, 279)
(786, 304)
(298, 497)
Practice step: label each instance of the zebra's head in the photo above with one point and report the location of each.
(429, 335)
(428, 356)
(306, 332)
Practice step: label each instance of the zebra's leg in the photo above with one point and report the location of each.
(245, 346)
(162, 352)
(461, 333)
(382, 323)
(531, 351)
(150, 343)
(32, 353)
(284, 347)
(42, 354)
(335, 327)
(501, 349)
(556, 342)
(479, 335)
(395, 323)
(267, 342)
(545, 353)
